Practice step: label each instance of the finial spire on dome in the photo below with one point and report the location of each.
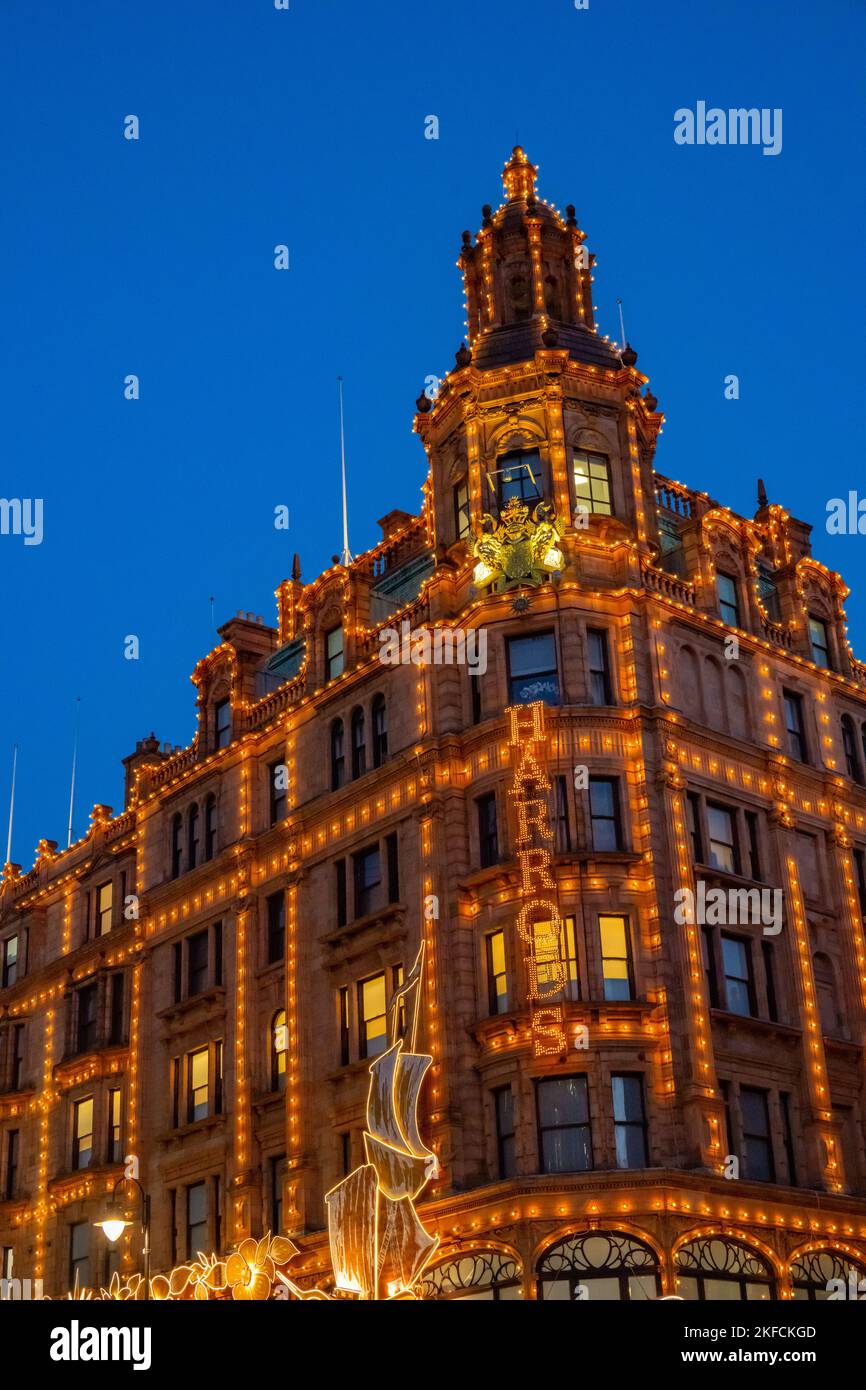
(519, 175)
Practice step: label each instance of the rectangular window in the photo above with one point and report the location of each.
(562, 830)
(475, 697)
(372, 1017)
(860, 870)
(340, 892)
(532, 669)
(10, 961)
(557, 959)
(277, 1169)
(114, 1152)
(196, 1219)
(462, 518)
(13, 1150)
(723, 840)
(343, 1006)
(592, 483)
(497, 975)
(16, 1074)
(82, 1133)
(794, 725)
(278, 791)
(739, 986)
(770, 979)
(729, 607)
(693, 825)
(616, 958)
(393, 868)
(758, 1163)
(564, 1135)
(629, 1121)
(820, 642)
(198, 1085)
(708, 957)
(88, 1002)
(346, 1152)
(276, 927)
(223, 723)
(604, 814)
(488, 836)
(333, 653)
(79, 1255)
(217, 953)
(788, 1134)
(754, 845)
(599, 667)
(197, 964)
(503, 1102)
(177, 971)
(218, 1077)
(519, 475)
(104, 908)
(116, 1030)
(368, 881)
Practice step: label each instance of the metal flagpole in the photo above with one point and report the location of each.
(346, 557)
(74, 761)
(11, 805)
(621, 322)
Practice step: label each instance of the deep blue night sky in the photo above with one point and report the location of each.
(261, 127)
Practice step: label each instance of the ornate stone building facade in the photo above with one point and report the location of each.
(668, 1104)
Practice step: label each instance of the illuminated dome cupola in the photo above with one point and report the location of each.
(528, 279)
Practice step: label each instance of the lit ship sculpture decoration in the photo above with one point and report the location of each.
(379, 1248)
(519, 549)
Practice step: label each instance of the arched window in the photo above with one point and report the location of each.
(716, 1268)
(279, 1050)
(192, 836)
(689, 684)
(849, 744)
(359, 744)
(825, 986)
(607, 1265)
(484, 1276)
(738, 702)
(821, 1274)
(210, 826)
(338, 755)
(380, 730)
(176, 845)
(714, 696)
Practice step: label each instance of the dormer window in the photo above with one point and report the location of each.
(334, 660)
(223, 723)
(768, 594)
(592, 489)
(518, 474)
(729, 608)
(9, 952)
(820, 642)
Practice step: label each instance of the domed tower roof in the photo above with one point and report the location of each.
(528, 279)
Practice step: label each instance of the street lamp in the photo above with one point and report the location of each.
(114, 1223)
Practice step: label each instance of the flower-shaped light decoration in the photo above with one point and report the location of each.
(250, 1272)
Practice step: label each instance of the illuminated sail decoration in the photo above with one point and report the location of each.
(379, 1247)
(539, 925)
(518, 549)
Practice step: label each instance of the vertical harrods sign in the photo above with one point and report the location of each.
(539, 925)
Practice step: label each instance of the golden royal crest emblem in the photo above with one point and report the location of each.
(519, 548)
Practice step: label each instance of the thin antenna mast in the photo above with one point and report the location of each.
(346, 557)
(621, 323)
(74, 761)
(11, 805)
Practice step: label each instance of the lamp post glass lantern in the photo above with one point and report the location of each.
(114, 1223)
